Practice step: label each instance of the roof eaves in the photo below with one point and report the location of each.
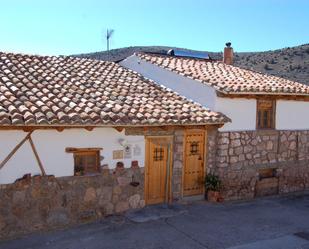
(265, 93)
(110, 125)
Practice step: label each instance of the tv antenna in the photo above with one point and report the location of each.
(109, 34)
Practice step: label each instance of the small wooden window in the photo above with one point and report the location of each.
(86, 160)
(265, 114)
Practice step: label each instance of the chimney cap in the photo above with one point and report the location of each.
(228, 44)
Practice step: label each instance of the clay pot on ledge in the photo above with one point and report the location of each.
(213, 196)
(213, 186)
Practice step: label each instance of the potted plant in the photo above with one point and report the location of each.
(79, 171)
(212, 187)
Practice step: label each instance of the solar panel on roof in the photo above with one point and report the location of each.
(193, 54)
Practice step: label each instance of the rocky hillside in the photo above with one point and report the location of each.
(291, 63)
(122, 53)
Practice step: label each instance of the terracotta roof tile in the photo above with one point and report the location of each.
(226, 78)
(45, 90)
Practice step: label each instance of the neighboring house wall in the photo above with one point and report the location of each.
(191, 89)
(292, 115)
(51, 145)
(241, 111)
(240, 158)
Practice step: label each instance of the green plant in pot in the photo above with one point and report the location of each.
(79, 170)
(212, 187)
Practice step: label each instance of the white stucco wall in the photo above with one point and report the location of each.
(191, 89)
(51, 145)
(292, 115)
(242, 112)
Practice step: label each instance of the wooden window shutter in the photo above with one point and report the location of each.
(265, 114)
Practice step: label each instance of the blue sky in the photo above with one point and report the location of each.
(67, 27)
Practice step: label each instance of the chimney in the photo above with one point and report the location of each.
(228, 54)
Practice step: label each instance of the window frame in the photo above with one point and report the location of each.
(86, 152)
(263, 111)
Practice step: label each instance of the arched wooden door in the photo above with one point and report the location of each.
(157, 172)
(194, 158)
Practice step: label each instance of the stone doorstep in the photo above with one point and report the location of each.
(193, 198)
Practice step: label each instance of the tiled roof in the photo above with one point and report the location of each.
(226, 78)
(49, 90)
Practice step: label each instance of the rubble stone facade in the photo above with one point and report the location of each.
(240, 158)
(249, 163)
(41, 203)
(178, 165)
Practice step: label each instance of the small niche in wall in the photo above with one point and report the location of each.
(267, 173)
(268, 183)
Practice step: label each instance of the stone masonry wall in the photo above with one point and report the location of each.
(177, 165)
(239, 157)
(41, 203)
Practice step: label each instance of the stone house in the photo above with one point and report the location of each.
(265, 148)
(80, 139)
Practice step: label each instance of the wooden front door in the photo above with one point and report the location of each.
(157, 170)
(194, 163)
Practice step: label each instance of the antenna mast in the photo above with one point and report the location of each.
(109, 34)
